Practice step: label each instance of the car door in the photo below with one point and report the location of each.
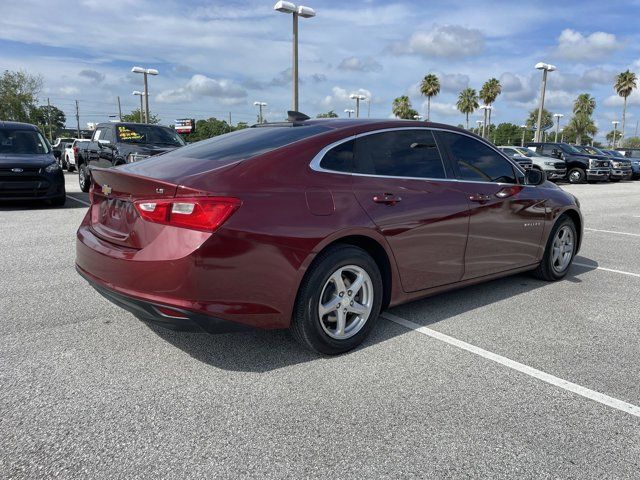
(400, 180)
(506, 218)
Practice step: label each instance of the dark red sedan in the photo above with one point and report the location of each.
(317, 226)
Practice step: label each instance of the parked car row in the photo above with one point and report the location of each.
(577, 163)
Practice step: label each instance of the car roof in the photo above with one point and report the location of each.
(17, 125)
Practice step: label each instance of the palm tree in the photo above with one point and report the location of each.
(429, 87)
(582, 124)
(402, 108)
(585, 103)
(467, 102)
(625, 83)
(489, 92)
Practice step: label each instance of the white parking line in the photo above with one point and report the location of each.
(612, 231)
(631, 274)
(78, 200)
(520, 367)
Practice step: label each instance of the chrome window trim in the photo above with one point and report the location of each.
(315, 161)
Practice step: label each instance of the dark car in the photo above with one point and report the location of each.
(620, 168)
(317, 225)
(119, 143)
(633, 155)
(28, 168)
(581, 167)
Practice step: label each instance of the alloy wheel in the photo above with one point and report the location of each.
(562, 249)
(345, 302)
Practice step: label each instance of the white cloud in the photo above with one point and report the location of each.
(444, 41)
(227, 92)
(573, 45)
(618, 101)
(92, 75)
(367, 64)
(339, 98)
(69, 90)
(440, 109)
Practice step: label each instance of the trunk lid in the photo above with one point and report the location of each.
(114, 217)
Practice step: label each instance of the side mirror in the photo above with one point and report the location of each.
(534, 177)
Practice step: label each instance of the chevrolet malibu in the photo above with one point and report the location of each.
(317, 226)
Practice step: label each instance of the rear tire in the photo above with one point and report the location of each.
(559, 252)
(83, 178)
(577, 175)
(349, 313)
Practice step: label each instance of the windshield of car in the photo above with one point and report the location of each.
(22, 142)
(570, 148)
(593, 150)
(149, 134)
(527, 153)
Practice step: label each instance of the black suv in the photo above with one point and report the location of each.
(581, 167)
(118, 143)
(28, 169)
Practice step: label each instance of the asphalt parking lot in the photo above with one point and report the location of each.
(476, 387)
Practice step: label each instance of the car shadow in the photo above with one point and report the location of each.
(71, 202)
(261, 351)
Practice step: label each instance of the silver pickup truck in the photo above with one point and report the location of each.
(554, 168)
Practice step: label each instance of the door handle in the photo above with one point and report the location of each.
(479, 198)
(387, 199)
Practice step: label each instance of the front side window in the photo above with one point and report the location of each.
(22, 142)
(401, 153)
(475, 161)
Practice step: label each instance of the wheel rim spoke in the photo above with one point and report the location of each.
(358, 309)
(330, 306)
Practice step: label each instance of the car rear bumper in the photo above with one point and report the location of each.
(163, 315)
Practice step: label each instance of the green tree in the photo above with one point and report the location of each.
(547, 119)
(18, 95)
(136, 117)
(489, 93)
(429, 87)
(467, 103)
(42, 115)
(208, 128)
(402, 108)
(584, 104)
(329, 114)
(618, 137)
(626, 82)
(631, 142)
(507, 134)
(582, 125)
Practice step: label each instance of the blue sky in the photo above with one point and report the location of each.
(219, 57)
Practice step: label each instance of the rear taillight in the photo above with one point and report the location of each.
(75, 150)
(197, 213)
(92, 188)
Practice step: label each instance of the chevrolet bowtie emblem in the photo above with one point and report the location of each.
(106, 189)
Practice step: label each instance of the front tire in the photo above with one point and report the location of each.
(339, 300)
(577, 175)
(559, 252)
(83, 177)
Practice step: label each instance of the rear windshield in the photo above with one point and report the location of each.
(246, 143)
(149, 134)
(22, 142)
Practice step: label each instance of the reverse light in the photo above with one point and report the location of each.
(196, 213)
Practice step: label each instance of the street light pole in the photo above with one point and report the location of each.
(260, 105)
(357, 97)
(557, 116)
(349, 111)
(545, 67)
(615, 132)
(295, 11)
(524, 129)
(484, 123)
(479, 123)
(141, 95)
(145, 72)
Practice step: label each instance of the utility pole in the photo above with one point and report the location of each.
(636, 133)
(49, 119)
(230, 127)
(78, 119)
(120, 109)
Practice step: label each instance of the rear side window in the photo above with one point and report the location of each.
(402, 153)
(475, 160)
(339, 158)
